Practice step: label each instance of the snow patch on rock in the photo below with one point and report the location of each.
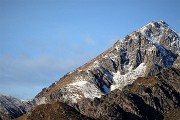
(81, 89)
(122, 80)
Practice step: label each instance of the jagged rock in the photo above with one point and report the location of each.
(147, 98)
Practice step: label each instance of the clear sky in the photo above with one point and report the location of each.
(41, 40)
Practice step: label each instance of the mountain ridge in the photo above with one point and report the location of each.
(11, 107)
(139, 56)
(143, 52)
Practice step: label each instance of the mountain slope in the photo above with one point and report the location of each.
(55, 111)
(11, 107)
(144, 52)
(147, 98)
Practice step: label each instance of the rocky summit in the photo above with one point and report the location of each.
(137, 78)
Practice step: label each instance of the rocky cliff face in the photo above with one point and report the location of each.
(143, 52)
(147, 98)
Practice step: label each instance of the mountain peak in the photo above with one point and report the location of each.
(144, 52)
(160, 33)
(133, 60)
(163, 22)
(160, 23)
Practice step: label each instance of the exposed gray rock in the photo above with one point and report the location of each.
(147, 98)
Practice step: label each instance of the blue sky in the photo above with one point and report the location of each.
(41, 40)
